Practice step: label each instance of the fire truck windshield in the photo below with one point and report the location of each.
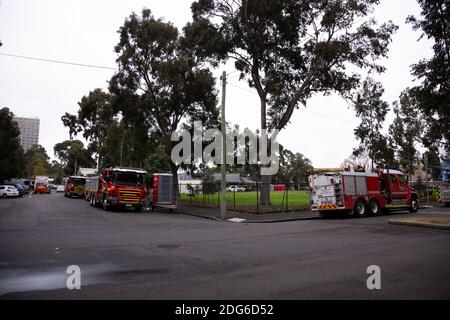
(77, 181)
(129, 178)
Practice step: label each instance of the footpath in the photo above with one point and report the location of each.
(234, 216)
(435, 220)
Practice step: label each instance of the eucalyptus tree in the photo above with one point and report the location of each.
(289, 50)
(161, 84)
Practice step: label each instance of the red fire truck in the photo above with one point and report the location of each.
(119, 187)
(360, 193)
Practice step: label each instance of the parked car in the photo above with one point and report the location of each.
(22, 190)
(235, 188)
(52, 186)
(8, 191)
(41, 188)
(60, 188)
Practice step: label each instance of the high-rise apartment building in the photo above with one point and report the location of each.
(29, 131)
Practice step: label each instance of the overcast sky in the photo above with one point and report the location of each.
(85, 32)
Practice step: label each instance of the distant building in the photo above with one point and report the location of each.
(184, 185)
(29, 131)
(184, 176)
(229, 178)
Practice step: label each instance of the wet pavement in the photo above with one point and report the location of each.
(162, 255)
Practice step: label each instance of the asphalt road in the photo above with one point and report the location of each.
(131, 255)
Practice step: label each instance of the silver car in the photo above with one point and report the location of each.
(8, 191)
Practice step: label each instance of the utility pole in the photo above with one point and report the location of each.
(425, 160)
(223, 205)
(121, 150)
(75, 167)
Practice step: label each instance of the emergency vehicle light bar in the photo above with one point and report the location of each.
(322, 170)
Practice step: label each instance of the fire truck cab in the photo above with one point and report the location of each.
(119, 187)
(74, 186)
(360, 193)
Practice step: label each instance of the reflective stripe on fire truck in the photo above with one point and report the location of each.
(326, 206)
(352, 193)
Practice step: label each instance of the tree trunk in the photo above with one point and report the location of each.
(265, 190)
(99, 163)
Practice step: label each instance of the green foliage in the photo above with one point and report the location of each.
(95, 116)
(290, 49)
(372, 110)
(157, 162)
(70, 121)
(405, 131)
(39, 168)
(36, 161)
(160, 82)
(56, 171)
(192, 192)
(114, 140)
(12, 157)
(209, 186)
(294, 168)
(432, 96)
(73, 155)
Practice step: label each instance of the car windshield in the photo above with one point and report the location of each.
(129, 178)
(77, 181)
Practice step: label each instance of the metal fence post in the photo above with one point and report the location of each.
(257, 198)
(287, 197)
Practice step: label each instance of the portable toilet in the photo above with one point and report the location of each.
(163, 191)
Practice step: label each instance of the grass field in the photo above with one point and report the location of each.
(277, 198)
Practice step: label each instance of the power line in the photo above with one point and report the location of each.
(328, 116)
(228, 74)
(248, 90)
(234, 76)
(57, 61)
(314, 112)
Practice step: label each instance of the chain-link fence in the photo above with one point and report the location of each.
(245, 197)
(421, 189)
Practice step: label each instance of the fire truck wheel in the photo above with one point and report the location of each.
(360, 209)
(138, 208)
(374, 207)
(414, 205)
